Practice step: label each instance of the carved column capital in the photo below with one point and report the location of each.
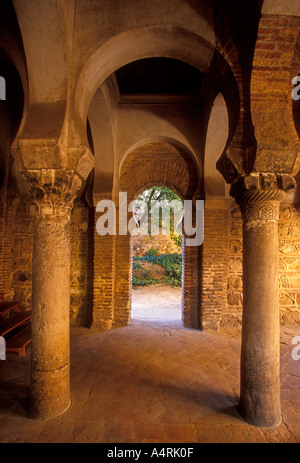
(53, 191)
(259, 195)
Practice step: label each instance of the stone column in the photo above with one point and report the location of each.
(50, 348)
(259, 197)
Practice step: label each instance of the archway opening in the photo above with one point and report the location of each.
(157, 256)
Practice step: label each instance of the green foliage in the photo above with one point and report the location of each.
(161, 203)
(144, 278)
(158, 198)
(136, 265)
(176, 238)
(171, 263)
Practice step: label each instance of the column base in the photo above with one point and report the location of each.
(101, 325)
(50, 393)
(259, 420)
(44, 417)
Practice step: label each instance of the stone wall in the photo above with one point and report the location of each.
(289, 266)
(161, 243)
(220, 296)
(19, 259)
(21, 253)
(233, 313)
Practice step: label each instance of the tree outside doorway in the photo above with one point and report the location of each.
(157, 256)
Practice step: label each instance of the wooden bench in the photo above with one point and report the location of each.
(13, 322)
(16, 330)
(19, 342)
(6, 308)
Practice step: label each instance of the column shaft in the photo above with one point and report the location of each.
(260, 359)
(50, 368)
(259, 195)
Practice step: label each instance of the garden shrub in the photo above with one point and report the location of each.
(171, 263)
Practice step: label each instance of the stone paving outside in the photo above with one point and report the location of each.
(149, 382)
(158, 302)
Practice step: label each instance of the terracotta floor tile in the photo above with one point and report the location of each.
(153, 383)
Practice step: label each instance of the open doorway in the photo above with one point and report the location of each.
(157, 256)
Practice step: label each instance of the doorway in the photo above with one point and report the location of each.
(157, 257)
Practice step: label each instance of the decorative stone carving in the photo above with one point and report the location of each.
(259, 195)
(46, 155)
(53, 191)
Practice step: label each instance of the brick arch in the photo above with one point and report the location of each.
(295, 71)
(146, 42)
(159, 163)
(132, 45)
(271, 94)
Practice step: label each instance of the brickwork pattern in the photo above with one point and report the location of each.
(123, 280)
(233, 315)
(81, 267)
(20, 253)
(218, 286)
(17, 268)
(2, 235)
(214, 268)
(289, 265)
(271, 100)
(103, 294)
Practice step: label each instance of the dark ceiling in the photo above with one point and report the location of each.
(159, 76)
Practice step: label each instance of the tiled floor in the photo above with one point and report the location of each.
(153, 382)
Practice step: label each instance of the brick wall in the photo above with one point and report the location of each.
(233, 313)
(271, 100)
(103, 299)
(22, 227)
(101, 268)
(289, 266)
(17, 268)
(81, 269)
(7, 216)
(214, 268)
(123, 280)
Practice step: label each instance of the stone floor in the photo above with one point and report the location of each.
(149, 382)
